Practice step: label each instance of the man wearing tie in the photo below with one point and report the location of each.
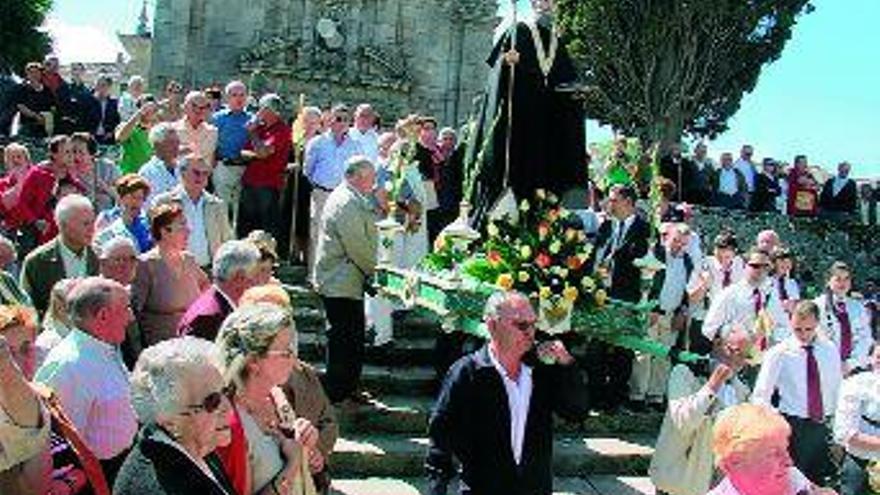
(844, 319)
(620, 241)
(805, 371)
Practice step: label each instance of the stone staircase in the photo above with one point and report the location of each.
(382, 446)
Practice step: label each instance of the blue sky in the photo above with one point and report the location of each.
(821, 98)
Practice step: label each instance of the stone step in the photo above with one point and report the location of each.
(394, 380)
(413, 325)
(403, 352)
(409, 414)
(592, 485)
(404, 456)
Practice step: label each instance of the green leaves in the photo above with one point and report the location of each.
(21, 37)
(657, 69)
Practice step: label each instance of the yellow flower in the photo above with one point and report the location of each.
(492, 230)
(525, 252)
(555, 247)
(570, 234)
(524, 205)
(505, 281)
(540, 194)
(601, 297)
(523, 276)
(544, 292)
(588, 283)
(570, 294)
(440, 243)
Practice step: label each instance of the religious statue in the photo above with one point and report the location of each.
(531, 87)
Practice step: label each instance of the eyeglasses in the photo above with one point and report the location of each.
(522, 325)
(288, 353)
(209, 404)
(342, 118)
(758, 266)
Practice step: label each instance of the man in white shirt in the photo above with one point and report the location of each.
(746, 166)
(495, 412)
(161, 171)
(805, 371)
(208, 226)
(668, 318)
(197, 136)
(87, 373)
(752, 302)
(364, 131)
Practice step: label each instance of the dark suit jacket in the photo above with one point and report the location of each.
(766, 191)
(205, 315)
(157, 468)
(111, 118)
(471, 421)
(626, 278)
(43, 267)
(846, 200)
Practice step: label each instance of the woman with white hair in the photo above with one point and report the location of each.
(258, 345)
(178, 394)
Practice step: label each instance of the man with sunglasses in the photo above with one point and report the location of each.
(751, 302)
(502, 391)
(86, 371)
(325, 160)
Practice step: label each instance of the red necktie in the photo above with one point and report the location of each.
(726, 281)
(815, 410)
(845, 329)
(758, 300)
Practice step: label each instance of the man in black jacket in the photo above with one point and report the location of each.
(839, 197)
(767, 187)
(495, 412)
(620, 241)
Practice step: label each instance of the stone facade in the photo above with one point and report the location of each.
(402, 55)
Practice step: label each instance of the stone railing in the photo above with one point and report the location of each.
(815, 242)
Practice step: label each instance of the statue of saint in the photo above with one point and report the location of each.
(546, 136)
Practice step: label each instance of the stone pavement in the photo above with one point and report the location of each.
(382, 446)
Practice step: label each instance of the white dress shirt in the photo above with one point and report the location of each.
(159, 177)
(838, 184)
(75, 265)
(369, 141)
(736, 305)
(727, 183)
(797, 481)
(859, 400)
(792, 288)
(784, 369)
(859, 324)
(519, 394)
(674, 284)
(748, 170)
(197, 243)
(92, 385)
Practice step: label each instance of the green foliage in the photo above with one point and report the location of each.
(21, 39)
(657, 69)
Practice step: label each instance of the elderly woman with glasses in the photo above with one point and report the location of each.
(178, 394)
(42, 452)
(258, 344)
(750, 443)
(168, 279)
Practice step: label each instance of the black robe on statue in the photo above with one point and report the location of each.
(548, 140)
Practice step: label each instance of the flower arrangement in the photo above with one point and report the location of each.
(543, 255)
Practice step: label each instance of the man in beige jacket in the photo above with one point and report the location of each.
(206, 214)
(682, 462)
(345, 260)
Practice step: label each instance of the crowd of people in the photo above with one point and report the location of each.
(744, 183)
(146, 347)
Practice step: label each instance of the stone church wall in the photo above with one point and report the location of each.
(402, 55)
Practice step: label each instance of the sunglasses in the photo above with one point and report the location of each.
(342, 118)
(522, 325)
(209, 404)
(758, 266)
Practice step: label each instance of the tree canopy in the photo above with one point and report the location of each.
(21, 38)
(658, 69)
